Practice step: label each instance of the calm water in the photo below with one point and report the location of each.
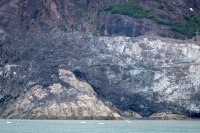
(135, 126)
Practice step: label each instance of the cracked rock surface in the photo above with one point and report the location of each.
(73, 75)
(76, 101)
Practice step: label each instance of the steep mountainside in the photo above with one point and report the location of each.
(90, 16)
(99, 59)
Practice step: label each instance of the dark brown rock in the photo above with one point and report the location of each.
(89, 16)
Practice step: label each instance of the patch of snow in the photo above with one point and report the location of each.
(193, 107)
(8, 67)
(161, 85)
(135, 72)
(157, 76)
(31, 83)
(14, 73)
(191, 9)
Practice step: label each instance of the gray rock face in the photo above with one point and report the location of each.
(112, 24)
(143, 75)
(75, 100)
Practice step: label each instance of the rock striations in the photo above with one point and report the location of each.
(64, 75)
(75, 101)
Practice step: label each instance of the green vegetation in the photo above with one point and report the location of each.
(170, 8)
(26, 24)
(161, 6)
(43, 24)
(72, 27)
(62, 28)
(28, 27)
(165, 6)
(189, 28)
(133, 10)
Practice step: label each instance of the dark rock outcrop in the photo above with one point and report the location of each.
(89, 16)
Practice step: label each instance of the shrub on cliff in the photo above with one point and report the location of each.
(133, 10)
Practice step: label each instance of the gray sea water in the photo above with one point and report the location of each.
(77, 126)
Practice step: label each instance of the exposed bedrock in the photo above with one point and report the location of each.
(131, 76)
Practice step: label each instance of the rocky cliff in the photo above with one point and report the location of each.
(55, 65)
(73, 100)
(91, 16)
(134, 76)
